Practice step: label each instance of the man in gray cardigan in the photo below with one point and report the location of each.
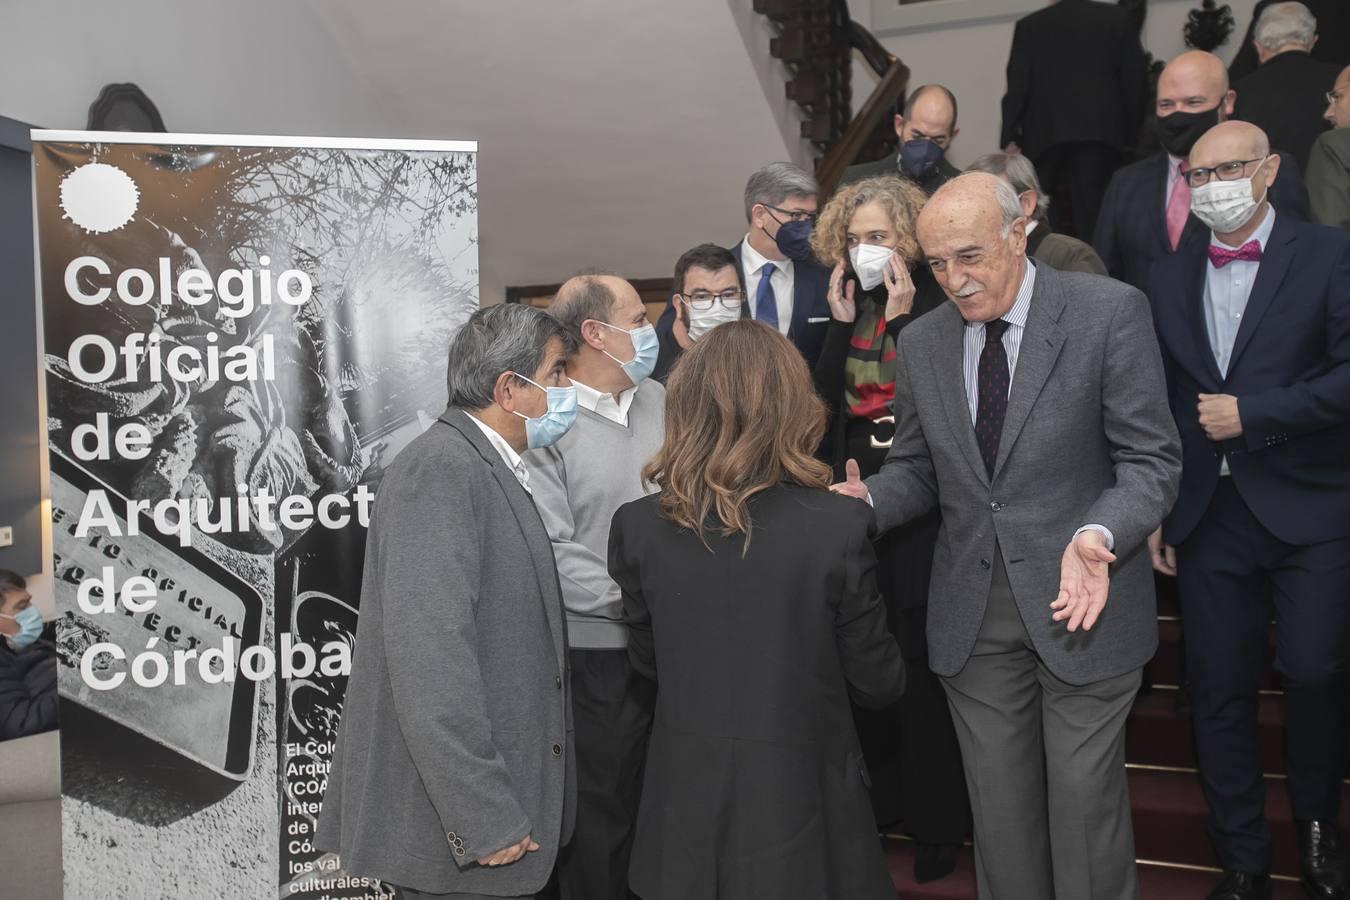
(578, 484)
(1032, 411)
(453, 774)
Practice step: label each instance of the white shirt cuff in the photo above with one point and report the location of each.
(1101, 529)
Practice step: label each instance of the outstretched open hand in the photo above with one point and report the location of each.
(1084, 580)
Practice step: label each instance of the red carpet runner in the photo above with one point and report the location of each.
(1175, 858)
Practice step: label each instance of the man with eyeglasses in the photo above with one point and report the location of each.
(926, 128)
(785, 287)
(1329, 160)
(707, 293)
(1146, 213)
(1254, 325)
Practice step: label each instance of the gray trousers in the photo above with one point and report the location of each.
(1045, 764)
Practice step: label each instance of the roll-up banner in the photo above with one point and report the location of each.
(240, 334)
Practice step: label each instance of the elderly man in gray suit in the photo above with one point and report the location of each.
(453, 774)
(1032, 410)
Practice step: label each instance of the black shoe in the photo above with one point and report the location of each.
(1241, 886)
(933, 861)
(1326, 871)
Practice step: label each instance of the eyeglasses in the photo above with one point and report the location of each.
(1228, 171)
(1333, 96)
(795, 215)
(703, 301)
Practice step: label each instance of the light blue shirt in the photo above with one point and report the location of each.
(1227, 291)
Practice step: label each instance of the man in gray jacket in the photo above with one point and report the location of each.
(1032, 411)
(453, 773)
(578, 485)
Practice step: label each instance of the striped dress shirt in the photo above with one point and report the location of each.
(973, 342)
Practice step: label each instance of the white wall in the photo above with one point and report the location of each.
(971, 60)
(243, 67)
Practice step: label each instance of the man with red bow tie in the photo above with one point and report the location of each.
(1255, 334)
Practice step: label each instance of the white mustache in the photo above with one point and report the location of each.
(971, 288)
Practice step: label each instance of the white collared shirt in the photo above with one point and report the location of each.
(1227, 291)
(973, 341)
(605, 404)
(508, 453)
(783, 279)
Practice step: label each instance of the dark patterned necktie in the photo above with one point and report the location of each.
(993, 396)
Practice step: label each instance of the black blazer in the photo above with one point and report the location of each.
(1333, 36)
(1075, 73)
(828, 372)
(890, 165)
(755, 784)
(1132, 227)
(1285, 98)
(1290, 371)
(810, 313)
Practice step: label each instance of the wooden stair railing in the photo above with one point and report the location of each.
(816, 39)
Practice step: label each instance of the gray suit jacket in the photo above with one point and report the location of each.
(456, 732)
(1088, 438)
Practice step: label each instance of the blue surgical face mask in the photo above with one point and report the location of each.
(920, 157)
(30, 626)
(547, 429)
(646, 347)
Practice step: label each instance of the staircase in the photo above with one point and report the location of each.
(1175, 859)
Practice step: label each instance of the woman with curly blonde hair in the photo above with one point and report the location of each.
(878, 287)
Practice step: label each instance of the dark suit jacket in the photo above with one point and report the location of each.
(1075, 73)
(755, 784)
(27, 690)
(1333, 36)
(1132, 228)
(1290, 371)
(1086, 440)
(829, 374)
(456, 734)
(810, 314)
(1285, 98)
(944, 173)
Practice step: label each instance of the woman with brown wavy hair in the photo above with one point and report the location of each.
(878, 287)
(750, 597)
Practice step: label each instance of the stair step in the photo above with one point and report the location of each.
(1156, 735)
(1156, 882)
(1170, 817)
(1165, 668)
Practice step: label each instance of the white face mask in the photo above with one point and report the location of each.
(702, 321)
(1225, 206)
(869, 262)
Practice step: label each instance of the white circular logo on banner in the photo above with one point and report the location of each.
(99, 197)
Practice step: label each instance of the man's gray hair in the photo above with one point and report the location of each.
(1008, 204)
(1283, 24)
(776, 182)
(1019, 172)
(508, 337)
